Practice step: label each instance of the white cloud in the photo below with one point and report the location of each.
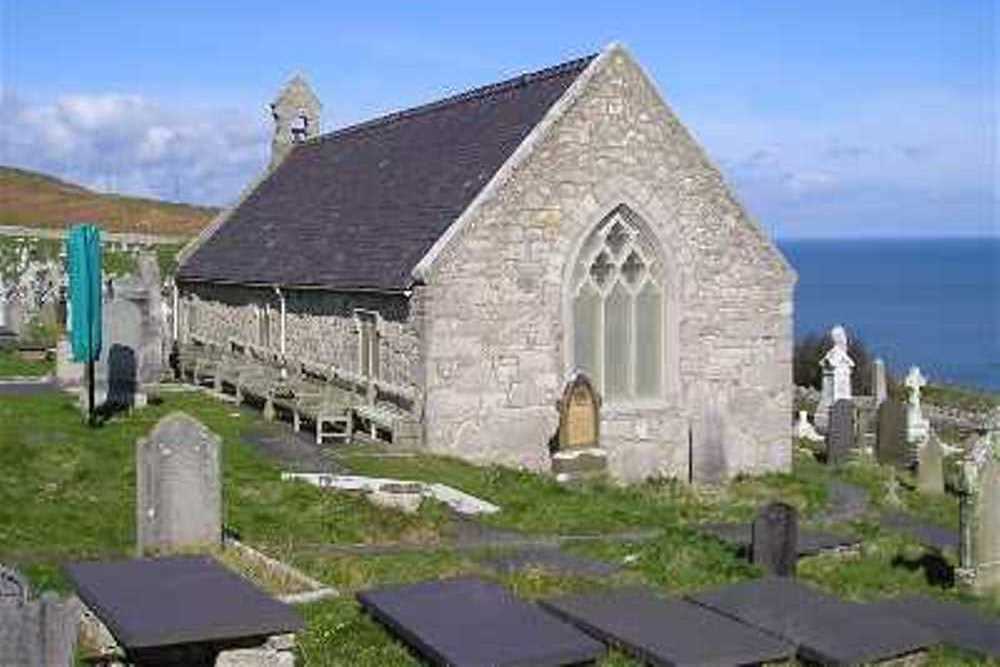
(131, 144)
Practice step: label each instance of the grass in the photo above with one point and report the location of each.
(12, 365)
(66, 492)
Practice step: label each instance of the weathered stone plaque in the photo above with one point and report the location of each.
(774, 539)
(890, 447)
(841, 436)
(579, 415)
(178, 486)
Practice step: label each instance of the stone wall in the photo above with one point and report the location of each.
(496, 306)
(320, 328)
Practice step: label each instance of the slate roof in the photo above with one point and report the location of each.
(359, 207)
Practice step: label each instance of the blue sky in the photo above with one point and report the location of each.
(830, 119)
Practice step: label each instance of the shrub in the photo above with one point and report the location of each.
(811, 348)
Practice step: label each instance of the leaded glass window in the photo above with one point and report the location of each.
(618, 310)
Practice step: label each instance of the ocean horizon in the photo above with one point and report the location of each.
(930, 302)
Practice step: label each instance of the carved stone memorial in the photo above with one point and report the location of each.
(979, 481)
(579, 415)
(775, 538)
(178, 486)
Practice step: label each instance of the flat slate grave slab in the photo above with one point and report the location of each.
(811, 542)
(466, 622)
(664, 631)
(159, 602)
(959, 625)
(824, 629)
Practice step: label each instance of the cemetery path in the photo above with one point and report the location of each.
(295, 452)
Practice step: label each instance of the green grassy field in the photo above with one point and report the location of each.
(67, 492)
(12, 365)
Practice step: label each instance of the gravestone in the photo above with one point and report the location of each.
(708, 456)
(879, 386)
(917, 428)
(579, 415)
(774, 539)
(178, 486)
(930, 467)
(841, 435)
(890, 447)
(14, 588)
(131, 360)
(979, 513)
(837, 367)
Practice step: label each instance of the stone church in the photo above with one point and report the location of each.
(472, 256)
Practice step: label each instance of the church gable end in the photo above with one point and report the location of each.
(710, 305)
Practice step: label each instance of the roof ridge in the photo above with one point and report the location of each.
(471, 94)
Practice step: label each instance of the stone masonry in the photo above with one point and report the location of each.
(496, 314)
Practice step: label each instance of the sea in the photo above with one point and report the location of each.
(934, 303)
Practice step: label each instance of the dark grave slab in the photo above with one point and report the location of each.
(467, 621)
(927, 534)
(774, 539)
(810, 542)
(159, 602)
(553, 560)
(841, 434)
(663, 631)
(823, 629)
(959, 625)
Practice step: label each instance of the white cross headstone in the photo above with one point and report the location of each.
(917, 428)
(837, 367)
(879, 387)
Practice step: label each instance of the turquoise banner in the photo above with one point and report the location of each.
(83, 252)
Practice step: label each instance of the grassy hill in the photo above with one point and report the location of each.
(32, 199)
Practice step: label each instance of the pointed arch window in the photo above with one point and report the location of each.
(618, 310)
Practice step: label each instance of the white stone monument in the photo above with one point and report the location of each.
(837, 367)
(804, 429)
(917, 428)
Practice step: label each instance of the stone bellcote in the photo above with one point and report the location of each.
(296, 113)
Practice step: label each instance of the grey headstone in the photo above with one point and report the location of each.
(178, 486)
(468, 621)
(662, 631)
(841, 435)
(775, 539)
(709, 456)
(14, 588)
(930, 466)
(979, 553)
(890, 445)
